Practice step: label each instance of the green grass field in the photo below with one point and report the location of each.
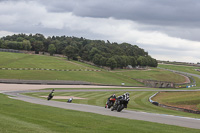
(189, 69)
(101, 77)
(189, 100)
(139, 101)
(22, 117)
(153, 74)
(18, 60)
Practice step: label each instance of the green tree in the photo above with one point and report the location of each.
(20, 39)
(1, 43)
(133, 61)
(71, 52)
(92, 52)
(51, 49)
(151, 62)
(103, 61)
(119, 61)
(111, 63)
(38, 46)
(26, 45)
(142, 61)
(97, 58)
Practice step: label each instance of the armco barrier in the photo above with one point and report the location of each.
(153, 102)
(171, 107)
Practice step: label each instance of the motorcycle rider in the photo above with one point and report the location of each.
(112, 96)
(51, 94)
(125, 96)
(70, 100)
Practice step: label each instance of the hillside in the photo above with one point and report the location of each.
(40, 67)
(183, 68)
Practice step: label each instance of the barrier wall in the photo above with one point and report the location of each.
(171, 107)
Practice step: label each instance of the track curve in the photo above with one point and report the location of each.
(151, 117)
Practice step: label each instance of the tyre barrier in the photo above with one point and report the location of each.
(189, 86)
(172, 107)
(44, 69)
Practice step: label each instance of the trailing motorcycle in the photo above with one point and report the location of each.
(110, 103)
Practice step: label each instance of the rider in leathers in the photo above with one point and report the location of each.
(125, 96)
(112, 96)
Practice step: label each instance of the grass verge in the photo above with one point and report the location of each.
(187, 100)
(22, 117)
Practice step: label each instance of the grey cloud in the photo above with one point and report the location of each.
(164, 12)
(161, 12)
(177, 18)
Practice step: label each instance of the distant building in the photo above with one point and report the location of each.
(129, 67)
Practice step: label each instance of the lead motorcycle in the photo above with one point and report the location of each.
(119, 105)
(50, 96)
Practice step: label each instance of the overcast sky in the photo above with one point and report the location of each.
(166, 29)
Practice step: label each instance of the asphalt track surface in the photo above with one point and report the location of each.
(151, 117)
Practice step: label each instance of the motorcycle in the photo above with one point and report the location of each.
(70, 100)
(50, 97)
(119, 105)
(110, 103)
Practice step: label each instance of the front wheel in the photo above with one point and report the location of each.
(109, 105)
(119, 108)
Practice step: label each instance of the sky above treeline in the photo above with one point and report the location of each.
(167, 29)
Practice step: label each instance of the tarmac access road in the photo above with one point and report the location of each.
(151, 117)
(21, 87)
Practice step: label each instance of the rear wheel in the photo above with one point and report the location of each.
(109, 105)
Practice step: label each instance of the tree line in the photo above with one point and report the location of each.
(99, 52)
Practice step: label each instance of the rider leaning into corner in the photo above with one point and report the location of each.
(121, 102)
(125, 96)
(51, 94)
(112, 96)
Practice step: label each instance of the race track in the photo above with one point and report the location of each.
(158, 118)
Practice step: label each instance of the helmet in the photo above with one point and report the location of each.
(126, 93)
(113, 94)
